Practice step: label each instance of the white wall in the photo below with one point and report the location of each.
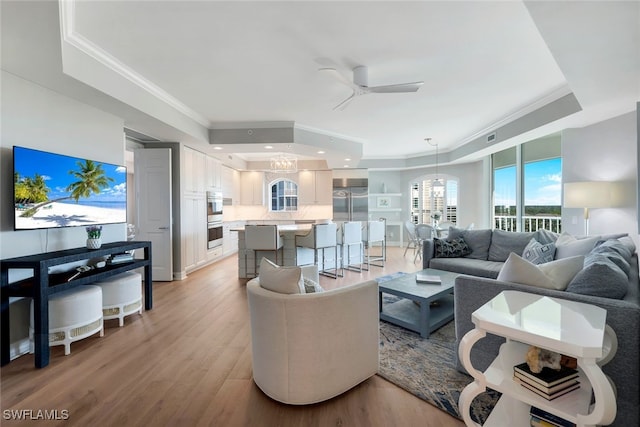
(472, 191)
(605, 151)
(38, 118)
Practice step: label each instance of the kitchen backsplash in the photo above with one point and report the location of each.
(243, 213)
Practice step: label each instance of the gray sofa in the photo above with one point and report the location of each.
(478, 284)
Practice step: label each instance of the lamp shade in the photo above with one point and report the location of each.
(591, 194)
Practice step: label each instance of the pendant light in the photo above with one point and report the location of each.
(438, 186)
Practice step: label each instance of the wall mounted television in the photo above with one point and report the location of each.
(53, 190)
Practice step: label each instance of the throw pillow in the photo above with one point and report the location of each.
(616, 253)
(601, 278)
(450, 249)
(552, 275)
(284, 280)
(545, 236)
(568, 246)
(537, 253)
(505, 242)
(478, 241)
(311, 286)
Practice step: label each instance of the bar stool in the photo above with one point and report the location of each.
(375, 233)
(321, 237)
(74, 314)
(261, 238)
(352, 236)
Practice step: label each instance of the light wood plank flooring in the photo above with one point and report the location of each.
(187, 362)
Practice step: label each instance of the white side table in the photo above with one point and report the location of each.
(567, 327)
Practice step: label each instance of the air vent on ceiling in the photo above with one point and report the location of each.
(491, 138)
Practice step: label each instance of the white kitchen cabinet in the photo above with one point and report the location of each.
(230, 184)
(315, 187)
(252, 188)
(230, 238)
(213, 174)
(194, 233)
(194, 171)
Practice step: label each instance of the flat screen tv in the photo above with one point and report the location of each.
(53, 190)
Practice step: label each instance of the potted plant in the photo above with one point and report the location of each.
(94, 236)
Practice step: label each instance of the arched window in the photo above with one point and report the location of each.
(430, 204)
(284, 196)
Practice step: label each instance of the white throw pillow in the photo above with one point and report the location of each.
(284, 280)
(551, 275)
(311, 286)
(568, 246)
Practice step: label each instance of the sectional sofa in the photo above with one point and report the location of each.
(489, 255)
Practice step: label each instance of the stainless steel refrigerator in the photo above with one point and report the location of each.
(351, 199)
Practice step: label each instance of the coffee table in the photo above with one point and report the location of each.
(415, 311)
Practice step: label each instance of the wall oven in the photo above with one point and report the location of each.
(214, 219)
(214, 234)
(214, 206)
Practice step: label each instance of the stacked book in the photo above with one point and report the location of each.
(540, 418)
(548, 383)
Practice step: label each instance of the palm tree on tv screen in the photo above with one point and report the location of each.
(91, 179)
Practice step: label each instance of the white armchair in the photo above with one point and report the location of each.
(307, 348)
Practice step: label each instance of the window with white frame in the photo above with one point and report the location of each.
(431, 203)
(527, 186)
(283, 195)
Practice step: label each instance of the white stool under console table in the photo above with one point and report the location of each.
(567, 327)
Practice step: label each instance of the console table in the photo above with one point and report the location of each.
(43, 284)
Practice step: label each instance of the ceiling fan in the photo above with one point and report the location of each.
(360, 85)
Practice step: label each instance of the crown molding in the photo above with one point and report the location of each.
(73, 38)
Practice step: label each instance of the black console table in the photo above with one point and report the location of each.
(42, 285)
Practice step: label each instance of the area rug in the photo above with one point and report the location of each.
(426, 368)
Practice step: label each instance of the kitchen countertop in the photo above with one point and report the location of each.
(285, 228)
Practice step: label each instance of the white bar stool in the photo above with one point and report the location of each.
(74, 314)
(375, 233)
(261, 238)
(352, 236)
(121, 296)
(321, 237)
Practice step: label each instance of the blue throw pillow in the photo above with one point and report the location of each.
(450, 248)
(600, 278)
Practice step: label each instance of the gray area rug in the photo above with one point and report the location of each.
(426, 368)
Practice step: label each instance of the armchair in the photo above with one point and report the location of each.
(307, 348)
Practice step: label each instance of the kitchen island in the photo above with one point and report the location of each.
(290, 254)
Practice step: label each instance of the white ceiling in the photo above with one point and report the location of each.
(484, 64)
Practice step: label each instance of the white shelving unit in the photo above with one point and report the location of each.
(394, 201)
(567, 327)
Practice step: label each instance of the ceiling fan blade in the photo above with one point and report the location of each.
(399, 88)
(338, 76)
(344, 103)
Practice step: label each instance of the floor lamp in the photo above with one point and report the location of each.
(589, 195)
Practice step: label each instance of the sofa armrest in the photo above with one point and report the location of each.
(428, 250)
(622, 316)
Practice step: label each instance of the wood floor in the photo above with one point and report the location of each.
(187, 362)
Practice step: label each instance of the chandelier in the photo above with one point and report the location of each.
(438, 186)
(284, 164)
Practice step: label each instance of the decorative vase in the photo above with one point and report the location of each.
(94, 243)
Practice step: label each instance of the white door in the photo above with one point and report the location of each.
(152, 175)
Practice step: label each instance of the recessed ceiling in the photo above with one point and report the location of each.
(229, 64)
(258, 61)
